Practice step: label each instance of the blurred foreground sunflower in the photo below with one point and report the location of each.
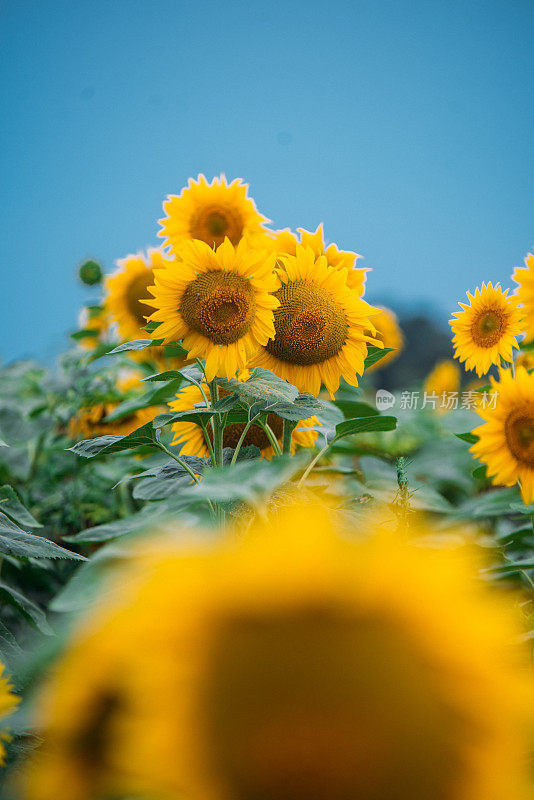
(321, 326)
(506, 439)
(293, 662)
(524, 277)
(217, 302)
(210, 212)
(126, 293)
(485, 330)
(191, 437)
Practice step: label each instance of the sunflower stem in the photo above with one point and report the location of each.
(218, 426)
(187, 469)
(208, 442)
(241, 440)
(403, 494)
(180, 462)
(272, 438)
(312, 463)
(287, 432)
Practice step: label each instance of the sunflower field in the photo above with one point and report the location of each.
(233, 567)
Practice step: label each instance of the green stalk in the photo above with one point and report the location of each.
(179, 460)
(272, 438)
(187, 469)
(218, 425)
(287, 432)
(241, 440)
(403, 495)
(311, 465)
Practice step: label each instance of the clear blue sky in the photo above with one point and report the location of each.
(407, 127)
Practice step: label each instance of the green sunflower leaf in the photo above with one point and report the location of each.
(157, 396)
(20, 544)
(89, 448)
(468, 437)
(352, 408)
(26, 607)
(375, 354)
(364, 425)
(13, 508)
(136, 344)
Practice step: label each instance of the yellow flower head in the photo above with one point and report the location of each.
(506, 439)
(130, 379)
(322, 326)
(210, 212)
(485, 330)
(285, 242)
(93, 319)
(388, 331)
(8, 703)
(524, 277)
(525, 358)
(126, 292)
(443, 380)
(191, 437)
(91, 421)
(292, 661)
(217, 302)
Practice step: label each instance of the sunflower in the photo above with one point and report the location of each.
(217, 302)
(191, 437)
(525, 358)
(442, 381)
(8, 703)
(91, 421)
(285, 242)
(506, 439)
(389, 332)
(95, 319)
(321, 327)
(210, 212)
(309, 663)
(130, 380)
(126, 291)
(485, 329)
(524, 277)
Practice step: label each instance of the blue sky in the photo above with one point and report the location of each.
(406, 127)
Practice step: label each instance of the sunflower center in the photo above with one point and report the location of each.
(136, 290)
(220, 305)
(212, 223)
(519, 433)
(255, 435)
(310, 326)
(314, 705)
(488, 327)
(92, 741)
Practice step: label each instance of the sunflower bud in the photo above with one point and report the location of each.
(90, 272)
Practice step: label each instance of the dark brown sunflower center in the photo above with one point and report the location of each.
(91, 743)
(488, 327)
(255, 435)
(136, 291)
(212, 223)
(519, 433)
(220, 305)
(318, 706)
(310, 326)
